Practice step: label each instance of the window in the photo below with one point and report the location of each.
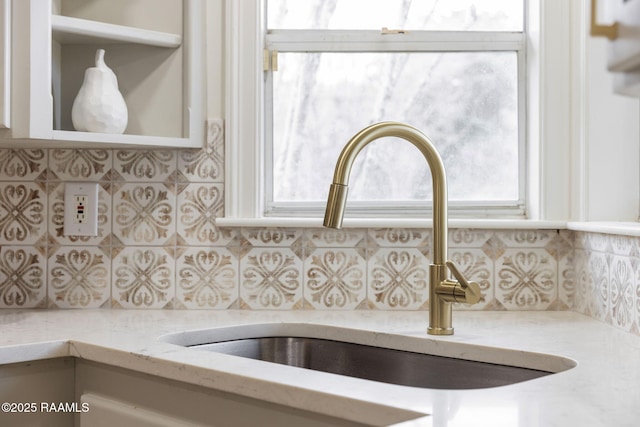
(454, 70)
(269, 125)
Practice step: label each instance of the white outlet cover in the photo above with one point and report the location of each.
(90, 226)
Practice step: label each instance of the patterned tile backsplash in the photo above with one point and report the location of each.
(158, 246)
(607, 279)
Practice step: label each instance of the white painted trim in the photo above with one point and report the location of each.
(5, 64)
(243, 138)
(579, 99)
(41, 99)
(549, 131)
(195, 83)
(501, 224)
(373, 41)
(617, 228)
(533, 122)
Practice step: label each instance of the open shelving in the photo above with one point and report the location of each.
(160, 73)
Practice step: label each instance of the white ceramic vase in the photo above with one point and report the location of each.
(99, 105)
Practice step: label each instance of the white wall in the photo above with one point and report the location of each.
(610, 140)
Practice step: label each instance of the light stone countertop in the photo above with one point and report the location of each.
(602, 390)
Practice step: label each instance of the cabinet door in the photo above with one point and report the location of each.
(105, 412)
(30, 387)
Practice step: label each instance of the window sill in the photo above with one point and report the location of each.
(395, 223)
(607, 227)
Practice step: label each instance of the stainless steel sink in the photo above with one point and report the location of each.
(375, 363)
(416, 361)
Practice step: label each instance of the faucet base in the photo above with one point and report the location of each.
(439, 331)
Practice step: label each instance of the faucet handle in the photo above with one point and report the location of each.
(471, 290)
(456, 273)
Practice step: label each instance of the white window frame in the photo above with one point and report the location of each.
(548, 133)
(414, 41)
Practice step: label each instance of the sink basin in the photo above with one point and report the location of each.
(375, 363)
(387, 358)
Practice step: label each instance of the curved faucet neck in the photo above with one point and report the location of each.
(338, 192)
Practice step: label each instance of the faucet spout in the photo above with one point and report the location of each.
(442, 291)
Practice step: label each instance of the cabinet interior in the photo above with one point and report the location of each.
(150, 78)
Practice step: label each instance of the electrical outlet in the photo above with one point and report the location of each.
(80, 213)
(81, 209)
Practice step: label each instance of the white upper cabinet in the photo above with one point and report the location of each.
(155, 48)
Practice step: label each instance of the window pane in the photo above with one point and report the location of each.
(452, 15)
(466, 102)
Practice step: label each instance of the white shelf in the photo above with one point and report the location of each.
(77, 139)
(160, 73)
(89, 140)
(68, 30)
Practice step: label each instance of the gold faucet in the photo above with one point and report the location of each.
(442, 290)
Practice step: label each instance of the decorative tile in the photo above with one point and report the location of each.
(494, 248)
(582, 281)
(56, 217)
(73, 165)
(637, 301)
(398, 279)
(176, 182)
(468, 238)
(559, 247)
(207, 278)
(599, 242)
(207, 164)
(271, 278)
(598, 290)
(143, 278)
(145, 165)
(79, 277)
(335, 278)
(334, 238)
(22, 277)
(580, 240)
(476, 266)
(623, 286)
(526, 279)
(400, 237)
(22, 213)
(271, 237)
(198, 207)
(567, 281)
(143, 214)
(22, 165)
(526, 238)
(622, 245)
